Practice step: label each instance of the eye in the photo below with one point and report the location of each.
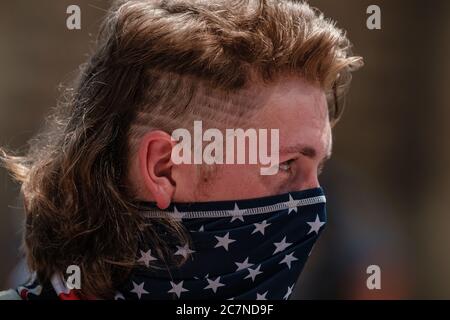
(286, 166)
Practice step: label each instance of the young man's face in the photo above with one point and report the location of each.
(299, 110)
(294, 107)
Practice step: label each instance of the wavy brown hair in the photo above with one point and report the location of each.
(152, 63)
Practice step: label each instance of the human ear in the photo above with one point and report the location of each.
(155, 166)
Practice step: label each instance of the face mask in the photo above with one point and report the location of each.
(251, 249)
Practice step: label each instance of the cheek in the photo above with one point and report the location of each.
(185, 177)
(234, 182)
(282, 182)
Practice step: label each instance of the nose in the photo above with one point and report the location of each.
(311, 181)
(307, 178)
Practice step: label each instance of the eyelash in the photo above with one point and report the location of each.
(289, 162)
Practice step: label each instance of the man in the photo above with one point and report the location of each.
(102, 190)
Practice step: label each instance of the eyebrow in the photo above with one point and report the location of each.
(305, 150)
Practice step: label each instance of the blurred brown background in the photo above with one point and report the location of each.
(388, 183)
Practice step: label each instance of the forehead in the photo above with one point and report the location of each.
(300, 111)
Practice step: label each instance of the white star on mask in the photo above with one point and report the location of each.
(224, 241)
(146, 257)
(292, 204)
(214, 284)
(139, 289)
(177, 215)
(252, 273)
(259, 227)
(177, 288)
(288, 259)
(119, 296)
(243, 265)
(315, 225)
(280, 246)
(237, 213)
(261, 296)
(184, 251)
(288, 293)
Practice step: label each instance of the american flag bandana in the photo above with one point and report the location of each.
(252, 249)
